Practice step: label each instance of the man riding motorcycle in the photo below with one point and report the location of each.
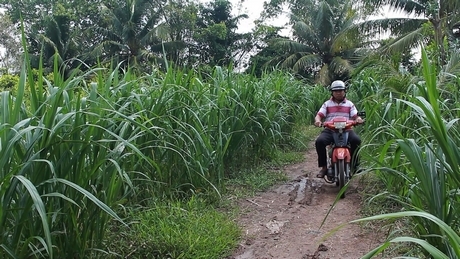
(336, 106)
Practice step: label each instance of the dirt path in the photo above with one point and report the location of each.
(285, 221)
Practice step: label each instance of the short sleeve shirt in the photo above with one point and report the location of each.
(331, 109)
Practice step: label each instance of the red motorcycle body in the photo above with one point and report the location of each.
(341, 153)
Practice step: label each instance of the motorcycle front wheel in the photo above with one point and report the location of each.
(342, 176)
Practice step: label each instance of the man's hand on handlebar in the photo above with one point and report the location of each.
(359, 120)
(318, 123)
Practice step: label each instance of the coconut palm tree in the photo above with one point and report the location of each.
(424, 21)
(325, 46)
(133, 32)
(57, 40)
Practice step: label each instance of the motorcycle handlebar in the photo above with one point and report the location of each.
(354, 123)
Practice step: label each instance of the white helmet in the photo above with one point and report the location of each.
(337, 85)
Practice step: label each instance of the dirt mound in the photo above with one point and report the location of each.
(285, 221)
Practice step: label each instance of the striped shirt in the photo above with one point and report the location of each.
(331, 109)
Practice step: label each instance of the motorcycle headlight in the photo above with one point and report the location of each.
(340, 125)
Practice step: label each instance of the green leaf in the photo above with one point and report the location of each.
(91, 197)
(40, 207)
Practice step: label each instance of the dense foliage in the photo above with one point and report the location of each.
(122, 106)
(141, 33)
(92, 142)
(413, 141)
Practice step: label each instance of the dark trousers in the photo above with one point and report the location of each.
(325, 138)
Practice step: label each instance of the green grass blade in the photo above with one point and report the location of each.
(451, 235)
(436, 253)
(40, 207)
(8, 251)
(91, 197)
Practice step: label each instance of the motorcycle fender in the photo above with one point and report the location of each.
(341, 153)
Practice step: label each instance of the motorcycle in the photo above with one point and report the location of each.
(338, 152)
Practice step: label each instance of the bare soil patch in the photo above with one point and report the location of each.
(285, 221)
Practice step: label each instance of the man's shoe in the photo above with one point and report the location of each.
(322, 173)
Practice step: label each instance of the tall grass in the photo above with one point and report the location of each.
(420, 165)
(56, 167)
(85, 146)
(196, 128)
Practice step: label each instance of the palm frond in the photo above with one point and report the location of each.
(154, 35)
(307, 61)
(394, 25)
(291, 60)
(340, 65)
(452, 69)
(408, 6)
(356, 55)
(405, 42)
(324, 18)
(305, 33)
(150, 29)
(349, 36)
(449, 6)
(291, 45)
(345, 13)
(275, 62)
(47, 40)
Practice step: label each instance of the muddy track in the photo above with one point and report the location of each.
(285, 221)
